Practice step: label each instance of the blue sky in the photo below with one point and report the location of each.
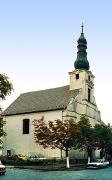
(38, 45)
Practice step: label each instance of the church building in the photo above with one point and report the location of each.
(64, 102)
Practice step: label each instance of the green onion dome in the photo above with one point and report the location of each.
(81, 60)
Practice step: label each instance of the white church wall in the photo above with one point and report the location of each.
(24, 143)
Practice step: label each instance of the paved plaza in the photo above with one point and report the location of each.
(26, 174)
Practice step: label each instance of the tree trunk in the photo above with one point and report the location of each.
(89, 151)
(67, 159)
(61, 154)
(88, 159)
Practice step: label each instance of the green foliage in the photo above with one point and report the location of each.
(2, 132)
(2, 123)
(68, 134)
(5, 89)
(103, 138)
(55, 134)
(5, 86)
(85, 134)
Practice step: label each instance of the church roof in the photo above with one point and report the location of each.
(43, 100)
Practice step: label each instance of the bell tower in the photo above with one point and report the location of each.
(82, 77)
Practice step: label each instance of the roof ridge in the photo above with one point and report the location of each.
(45, 89)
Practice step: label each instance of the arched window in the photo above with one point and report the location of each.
(26, 124)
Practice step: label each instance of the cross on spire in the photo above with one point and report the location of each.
(82, 28)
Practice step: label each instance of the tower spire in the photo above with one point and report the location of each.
(82, 28)
(81, 60)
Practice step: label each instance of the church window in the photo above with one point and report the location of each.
(77, 76)
(26, 123)
(89, 94)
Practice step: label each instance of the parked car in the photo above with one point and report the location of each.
(36, 158)
(2, 169)
(99, 163)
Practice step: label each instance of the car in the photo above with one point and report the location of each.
(2, 169)
(99, 163)
(36, 158)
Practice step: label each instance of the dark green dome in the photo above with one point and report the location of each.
(82, 39)
(81, 60)
(81, 64)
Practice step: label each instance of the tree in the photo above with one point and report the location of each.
(85, 134)
(5, 89)
(56, 134)
(66, 135)
(103, 139)
(5, 86)
(91, 138)
(2, 132)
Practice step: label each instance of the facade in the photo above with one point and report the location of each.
(73, 100)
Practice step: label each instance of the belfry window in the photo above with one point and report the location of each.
(89, 94)
(26, 123)
(77, 76)
(89, 78)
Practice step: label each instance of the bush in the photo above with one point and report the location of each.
(37, 162)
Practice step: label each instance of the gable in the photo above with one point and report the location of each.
(44, 100)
